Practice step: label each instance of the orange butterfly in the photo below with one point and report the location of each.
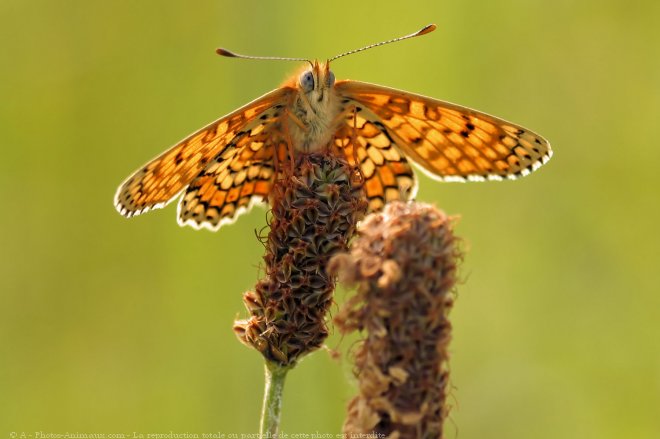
(227, 166)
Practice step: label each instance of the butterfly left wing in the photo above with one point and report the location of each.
(448, 141)
(163, 178)
(234, 181)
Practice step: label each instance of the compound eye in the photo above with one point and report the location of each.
(331, 79)
(307, 81)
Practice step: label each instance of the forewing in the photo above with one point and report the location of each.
(163, 178)
(449, 141)
(365, 143)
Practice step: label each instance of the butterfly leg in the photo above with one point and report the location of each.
(351, 112)
(354, 144)
(287, 136)
(276, 159)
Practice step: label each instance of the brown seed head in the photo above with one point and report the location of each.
(314, 214)
(404, 265)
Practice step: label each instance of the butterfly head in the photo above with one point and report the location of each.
(315, 81)
(315, 108)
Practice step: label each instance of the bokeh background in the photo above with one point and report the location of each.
(114, 325)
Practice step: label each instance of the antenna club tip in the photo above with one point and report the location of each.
(224, 52)
(427, 29)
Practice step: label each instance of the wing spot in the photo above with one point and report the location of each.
(431, 113)
(209, 135)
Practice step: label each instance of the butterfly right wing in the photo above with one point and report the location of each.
(448, 141)
(365, 143)
(163, 178)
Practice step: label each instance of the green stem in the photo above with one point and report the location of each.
(274, 386)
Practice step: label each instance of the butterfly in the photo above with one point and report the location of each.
(225, 168)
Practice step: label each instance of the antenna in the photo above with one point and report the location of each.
(229, 54)
(423, 31)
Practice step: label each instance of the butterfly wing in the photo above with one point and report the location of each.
(365, 143)
(448, 141)
(236, 179)
(163, 178)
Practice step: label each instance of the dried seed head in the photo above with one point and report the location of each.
(314, 214)
(404, 265)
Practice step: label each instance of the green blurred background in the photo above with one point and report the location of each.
(115, 325)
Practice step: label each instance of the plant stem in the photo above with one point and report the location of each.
(274, 386)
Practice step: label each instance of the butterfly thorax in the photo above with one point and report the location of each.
(315, 109)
